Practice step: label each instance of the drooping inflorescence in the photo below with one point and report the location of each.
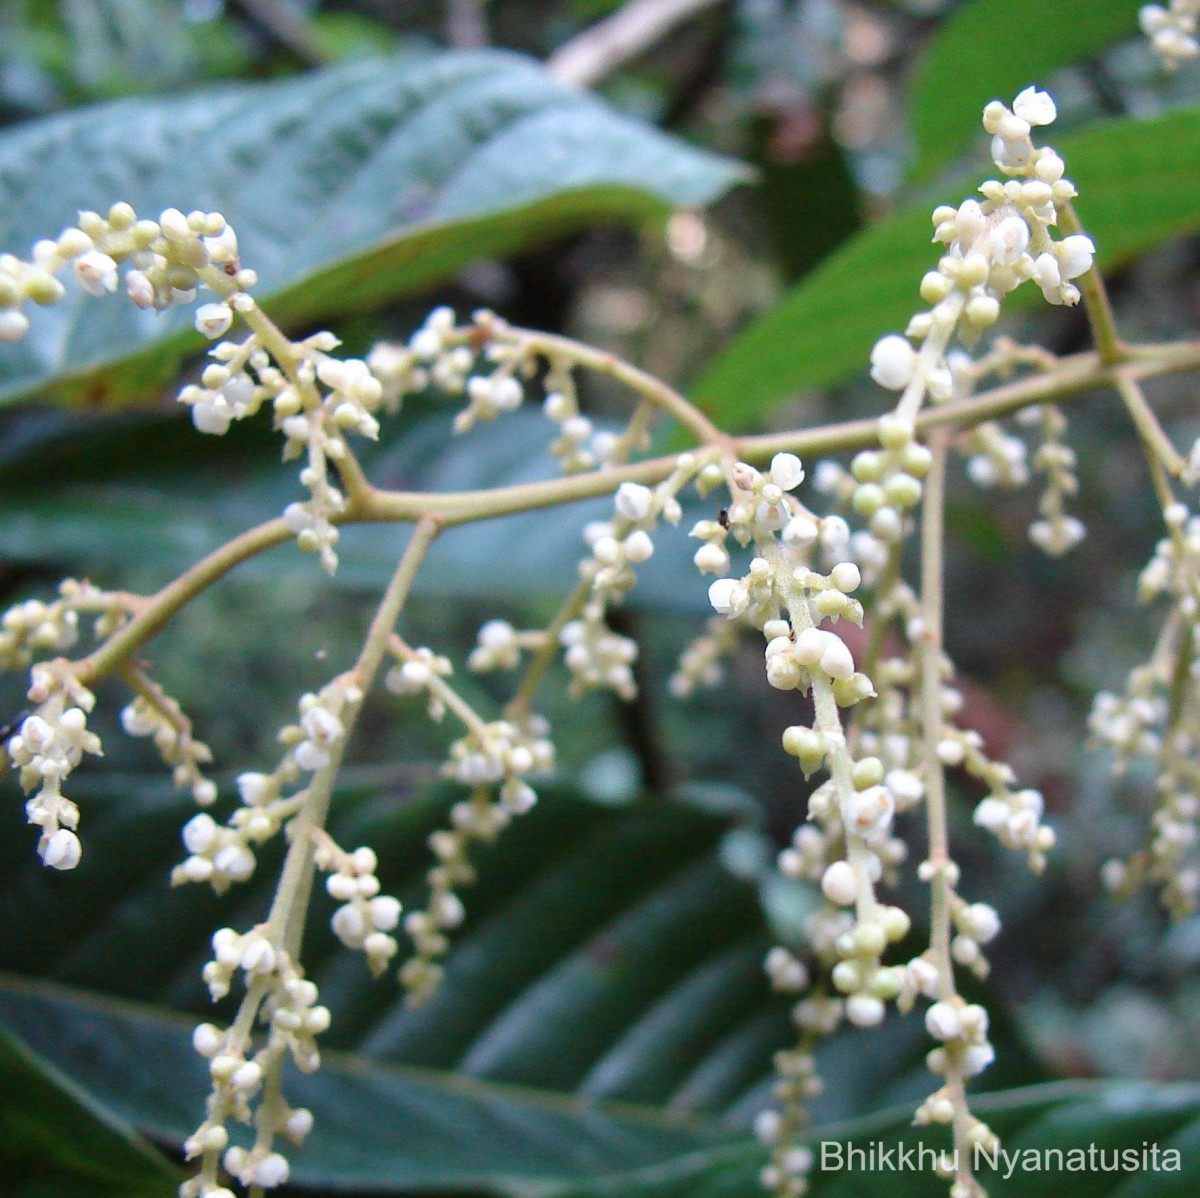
(882, 718)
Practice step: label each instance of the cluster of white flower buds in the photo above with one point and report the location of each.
(494, 759)
(1157, 720)
(579, 445)
(760, 507)
(998, 459)
(1015, 819)
(597, 657)
(46, 747)
(233, 386)
(164, 259)
(156, 715)
(889, 478)
(976, 924)
(320, 729)
(419, 671)
(700, 663)
(445, 355)
(854, 807)
(33, 628)
(1172, 30)
(1056, 532)
(848, 847)
(796, 1085)
(963, 1052)
(498, 647)
(288, 1005)
(963, 1026)
(791, 1162)
(366, 918)
(224, 854)
(991, 247)
(491, 395)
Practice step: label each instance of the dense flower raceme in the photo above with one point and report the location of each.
(804, 573)
(800, 583)
(1157, 720)
(992, 246)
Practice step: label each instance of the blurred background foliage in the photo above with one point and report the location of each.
(613, 946)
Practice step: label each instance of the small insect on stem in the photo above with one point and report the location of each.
(9, 730)
(723, 518)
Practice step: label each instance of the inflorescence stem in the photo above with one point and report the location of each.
(1070, 378)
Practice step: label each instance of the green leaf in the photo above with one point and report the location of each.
(990, 50)
(133, 499)
(1034, 1123)
(347, 187)
(55, 1139)
(384, 1128)
(591, 930)
(1137, 190)
(607, 955)
(589, 924)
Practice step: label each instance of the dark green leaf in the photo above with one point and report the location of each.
(134, 498)
(346, 186)
(384, 1128)
(1117, 1117)
(55, 1139)
(1137, 185)
(607, 954)
(990, 50)
(590, 929)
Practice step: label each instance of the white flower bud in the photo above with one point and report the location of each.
(982, 922)
(638, 547)
(271, 1171)
(174, 225)
(787, 473)
(976, 1058)
(943, 1022)
(839, 883)
(1035, 107)
(729, 597)
(846, 576)
(199, 833)
(298, 1124)
(385, 912)
(207, 1040)
(836, 659)
(633, 501)
(96, 273)
(800, 531)
(711, 559)
(507, 393)
(1009, 240)
(341, 887)
(13, 325)
(864, 1010)
(247, 1078)
(258, 956)
(1076, 254)
(213, 320)
(348, 925)
(969, 221)
(62, 850)
(893, 361)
